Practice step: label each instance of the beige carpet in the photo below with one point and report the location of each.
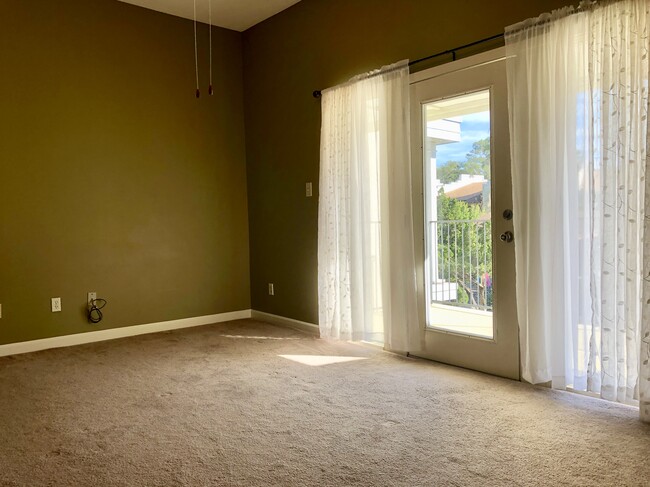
(218, 405)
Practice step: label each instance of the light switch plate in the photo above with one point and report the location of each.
(308, 190)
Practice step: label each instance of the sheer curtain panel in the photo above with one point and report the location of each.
(366, 263)
(578, 101)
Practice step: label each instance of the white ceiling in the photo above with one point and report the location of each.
(232, 14)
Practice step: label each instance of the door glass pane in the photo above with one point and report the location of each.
(458, 214)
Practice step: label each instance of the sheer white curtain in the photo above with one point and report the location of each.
(578, 100)
(366, 264)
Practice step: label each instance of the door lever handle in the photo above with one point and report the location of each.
(507, 237)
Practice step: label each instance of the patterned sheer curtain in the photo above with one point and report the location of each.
(366, 263)
(578, 100)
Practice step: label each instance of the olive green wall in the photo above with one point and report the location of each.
(312, 45)
(113, 177)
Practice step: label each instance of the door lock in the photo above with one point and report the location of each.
(507, 214)
(507, 237)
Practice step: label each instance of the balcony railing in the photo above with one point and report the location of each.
(460, 263)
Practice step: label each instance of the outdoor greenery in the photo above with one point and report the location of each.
(477, 162)
(464, 235)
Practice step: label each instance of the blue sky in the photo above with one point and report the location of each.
(472, 128)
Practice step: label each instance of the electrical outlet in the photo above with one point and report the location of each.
(308, 190)
(271, 290)
(56, 305)
(91, 297)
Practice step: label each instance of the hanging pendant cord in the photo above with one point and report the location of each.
(196, 55)
(210, 90)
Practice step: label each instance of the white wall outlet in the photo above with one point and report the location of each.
(271, 290)
(308, 190)
(56, 305)
(91, 297)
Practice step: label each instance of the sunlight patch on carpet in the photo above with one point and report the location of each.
(318, 360)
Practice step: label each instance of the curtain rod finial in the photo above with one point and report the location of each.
(317, 94)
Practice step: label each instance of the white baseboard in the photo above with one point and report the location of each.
(286, 322)
(122, 332)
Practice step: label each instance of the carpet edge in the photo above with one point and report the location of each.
(119, 332)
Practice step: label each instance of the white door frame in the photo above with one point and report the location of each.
(500, 355)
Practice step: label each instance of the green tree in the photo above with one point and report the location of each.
(462, 296)
(464, 245)
(477, 162)
(451, 209)
(478, 159)
(449, 172)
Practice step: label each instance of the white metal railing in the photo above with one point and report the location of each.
(460, 259)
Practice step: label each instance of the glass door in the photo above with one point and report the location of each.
(463, 211)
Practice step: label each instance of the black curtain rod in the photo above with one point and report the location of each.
(317, 93)
(459, 48)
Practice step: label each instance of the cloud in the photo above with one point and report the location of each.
(480, 117)
(452, 152)
(473, 127)
(474, 135)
